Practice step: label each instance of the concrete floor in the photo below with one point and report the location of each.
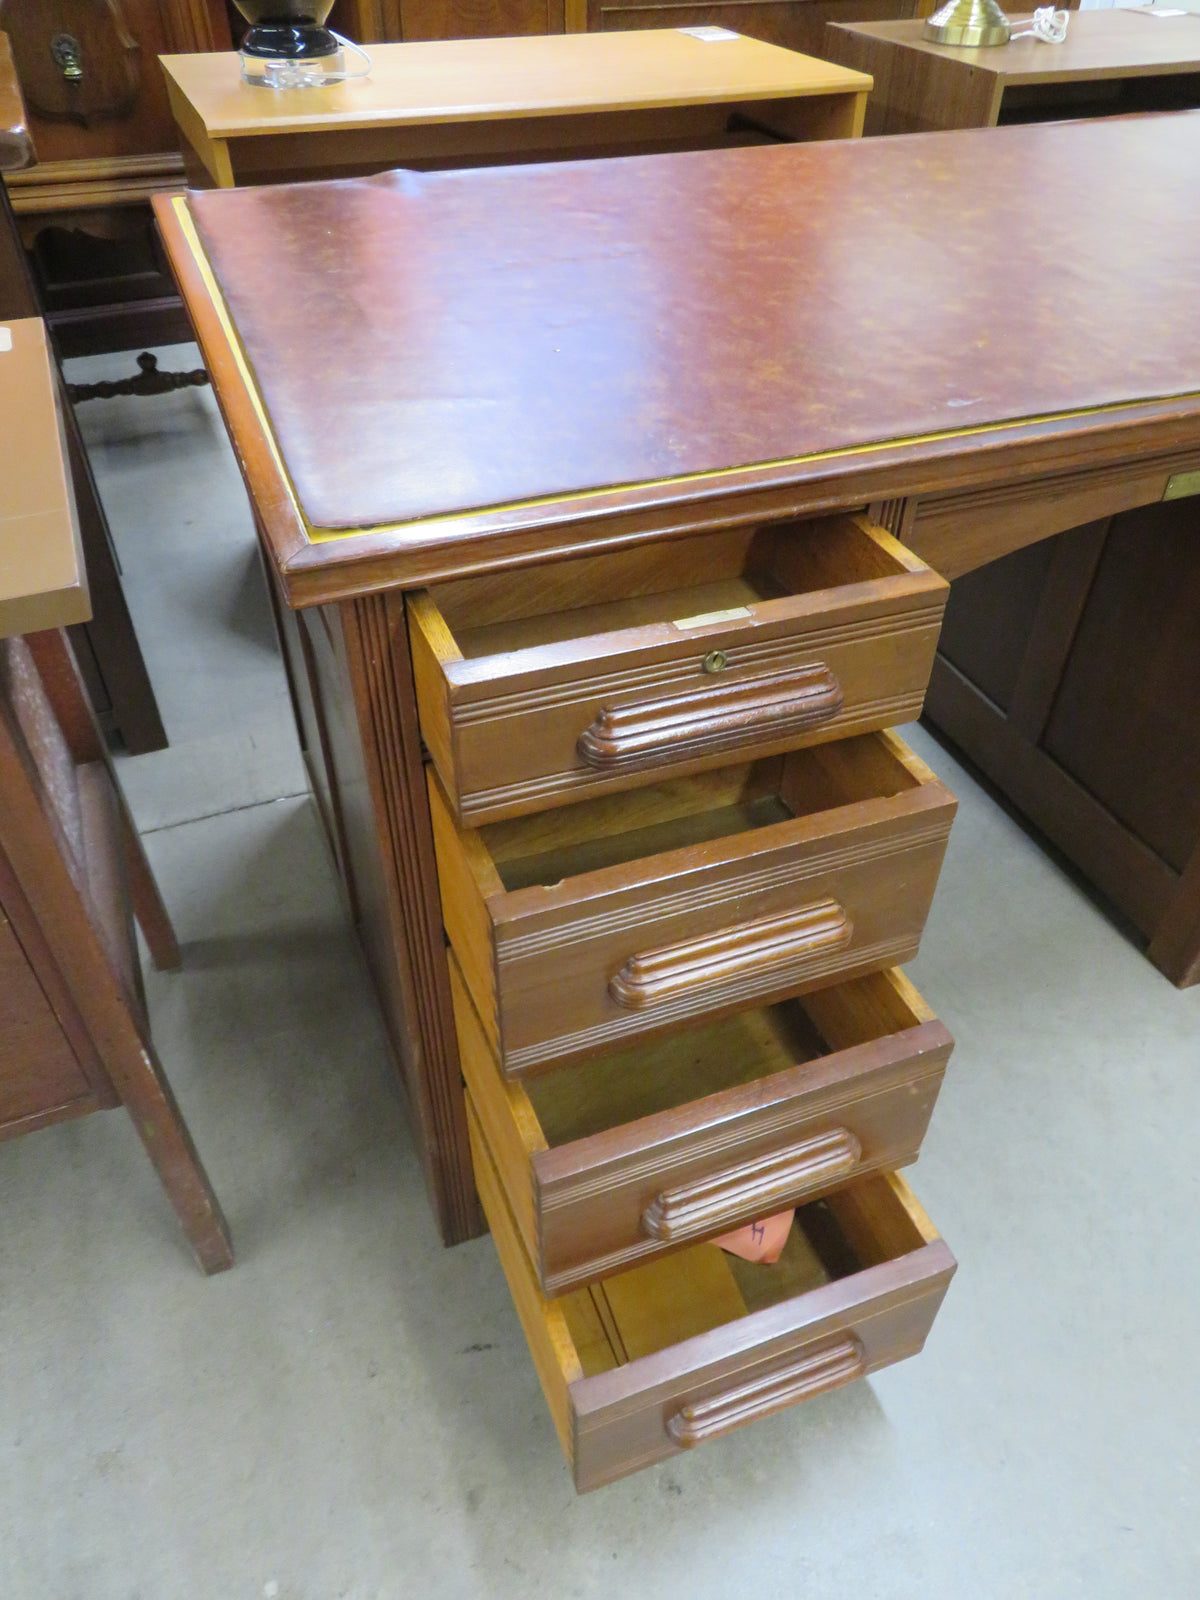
(351, 1412)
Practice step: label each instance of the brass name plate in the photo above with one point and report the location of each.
(1182, 484)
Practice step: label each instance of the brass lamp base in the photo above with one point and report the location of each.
(968, 22)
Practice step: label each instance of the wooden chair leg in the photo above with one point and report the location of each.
(61, 679)
(36, 875)
(139, 1080)
(148, 905)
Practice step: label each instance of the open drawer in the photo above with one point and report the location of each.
(638, 1151)
(688, 1348)
(538, 687)
(634, 913)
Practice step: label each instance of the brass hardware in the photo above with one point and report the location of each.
(68, 57)
(1182, 484)
(715, 661)
(968, 22)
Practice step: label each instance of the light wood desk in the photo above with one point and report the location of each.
(475, 101)
(594, 621)
(1110, 62)
(74, 1034)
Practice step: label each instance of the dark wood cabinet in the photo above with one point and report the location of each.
(105, 142)
(381, 21)
(795, 24)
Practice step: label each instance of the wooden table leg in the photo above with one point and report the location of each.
(138, 1078)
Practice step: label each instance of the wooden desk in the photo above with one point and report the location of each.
(1110, 62)
(464, 504)
(474, 101)
(1069, 672)
(74, 1035)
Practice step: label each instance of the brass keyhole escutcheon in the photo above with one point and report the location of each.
(68, 57)
(715, 661)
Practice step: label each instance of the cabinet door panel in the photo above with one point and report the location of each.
(116, 105)
(480, 19)
(782, 22)
(38, 1070)
(1128, 705)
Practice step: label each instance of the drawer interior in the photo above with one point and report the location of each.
(607, 832)
(657, 1305)
(742, 568)
(615, 1087)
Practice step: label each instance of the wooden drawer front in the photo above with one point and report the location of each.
(637, 1152)
(582, 677)
(688, 1348)
(631, 915)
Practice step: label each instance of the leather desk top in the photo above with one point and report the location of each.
(426, 345)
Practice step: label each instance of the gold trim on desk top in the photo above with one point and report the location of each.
(183, 214)
(318, 535)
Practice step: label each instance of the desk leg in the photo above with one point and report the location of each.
(1175, 947)
(377, 650)
(352, 690)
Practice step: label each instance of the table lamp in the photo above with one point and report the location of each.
(288, 46)
(968, 22)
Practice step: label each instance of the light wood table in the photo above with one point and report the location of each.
(478, 101)
(1110, 62)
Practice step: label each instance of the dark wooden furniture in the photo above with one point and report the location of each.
(795, 24)
(469, 102)
(1111, 62)
(106, 645)
(98, 113)
(483, 511)
(1070, 673)
(74, 1035)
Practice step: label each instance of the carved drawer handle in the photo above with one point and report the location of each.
(757, 1188)
(653, 977)
(713, 718)
(815, 1372)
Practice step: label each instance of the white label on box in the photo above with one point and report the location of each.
(705, 618)
(5, 340)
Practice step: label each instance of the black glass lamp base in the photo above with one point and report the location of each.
(288, 41)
